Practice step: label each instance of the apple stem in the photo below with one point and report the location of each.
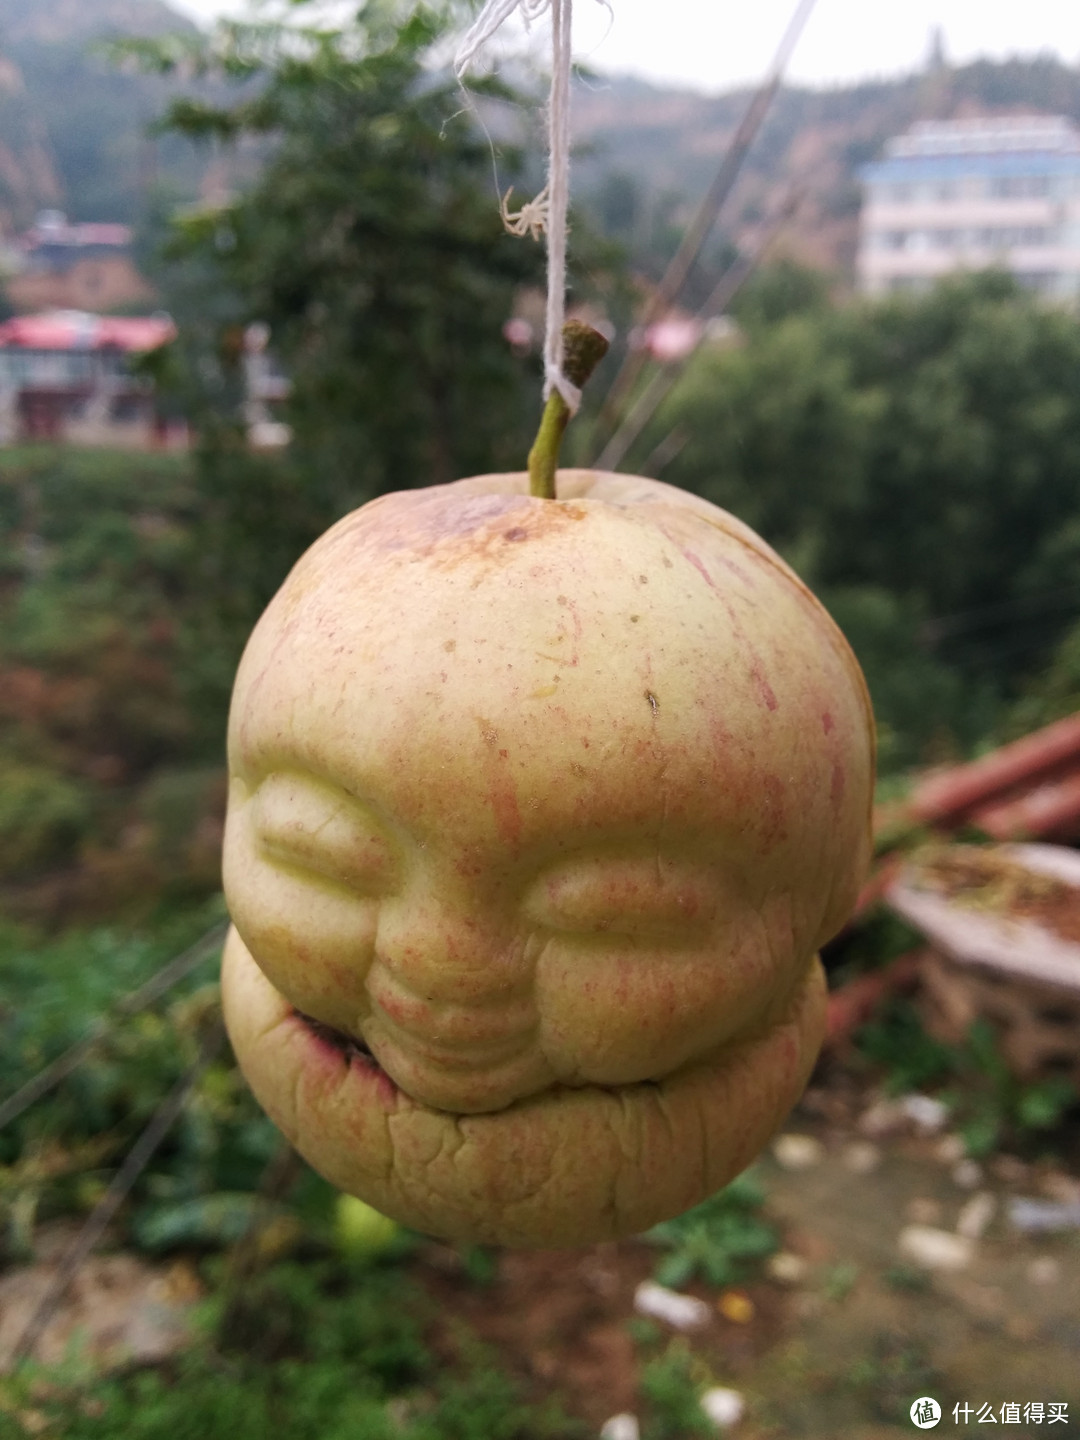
(583, 349)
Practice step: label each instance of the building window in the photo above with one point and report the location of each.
(1007, 237)
(1019, 187)
(888, 239)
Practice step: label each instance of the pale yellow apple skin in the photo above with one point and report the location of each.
(551, 805)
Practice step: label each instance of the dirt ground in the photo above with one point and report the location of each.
(854, 1328)
(901, 1274)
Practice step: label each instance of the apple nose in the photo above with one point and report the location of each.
(446, 955)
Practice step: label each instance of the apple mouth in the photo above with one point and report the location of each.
(352, 1053)
(351, 1050)
(563, 1167)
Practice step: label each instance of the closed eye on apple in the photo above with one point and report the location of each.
(627, 895)
(309, 824)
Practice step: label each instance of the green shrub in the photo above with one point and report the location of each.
(672, 1385)
(989, 1105)
(718, 1240)
(43, 815)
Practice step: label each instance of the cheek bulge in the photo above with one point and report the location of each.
(613, 1016)
(311, 939)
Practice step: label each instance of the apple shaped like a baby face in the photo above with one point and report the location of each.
(538, 808)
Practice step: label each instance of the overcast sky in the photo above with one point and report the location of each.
(713, 45)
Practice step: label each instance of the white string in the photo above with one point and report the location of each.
(546, 214)
(558, 200)
(493, 15)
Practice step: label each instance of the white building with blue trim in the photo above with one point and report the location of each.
(971, 195)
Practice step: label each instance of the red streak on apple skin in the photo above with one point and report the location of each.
(788, 1057)
(502, 792)
(250, 709)
(343, 976)
(736, 569)
(826, 721)
(836, 789)
(765, 691)
(507, 814)
(774, 830)
(700, 568)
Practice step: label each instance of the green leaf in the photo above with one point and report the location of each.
(217, 1220)
(1042, 1106)
(981, 1133)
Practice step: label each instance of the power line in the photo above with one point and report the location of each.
(663, 454)
(693, 241)
(665, 379)
(977, 618)
(137, 1159)
(60, 1068)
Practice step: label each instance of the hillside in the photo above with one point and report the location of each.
(73, 134)
(72, 127)
(52, 22)
(650, 153)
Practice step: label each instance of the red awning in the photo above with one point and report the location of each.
(77, 330)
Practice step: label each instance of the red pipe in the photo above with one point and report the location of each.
(949, 797)
(1052, 809)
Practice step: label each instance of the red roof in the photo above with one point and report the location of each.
(77, 235)
(77, 330)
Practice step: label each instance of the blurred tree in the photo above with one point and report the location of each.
(779, 290)
(918, 459)
(619, 204)
(371, 245)
(1056, 692)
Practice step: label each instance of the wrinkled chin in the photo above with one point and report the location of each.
(466, 1090)
(563, 1167)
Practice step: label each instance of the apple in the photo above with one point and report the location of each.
(540, 812)
(360, 1231)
